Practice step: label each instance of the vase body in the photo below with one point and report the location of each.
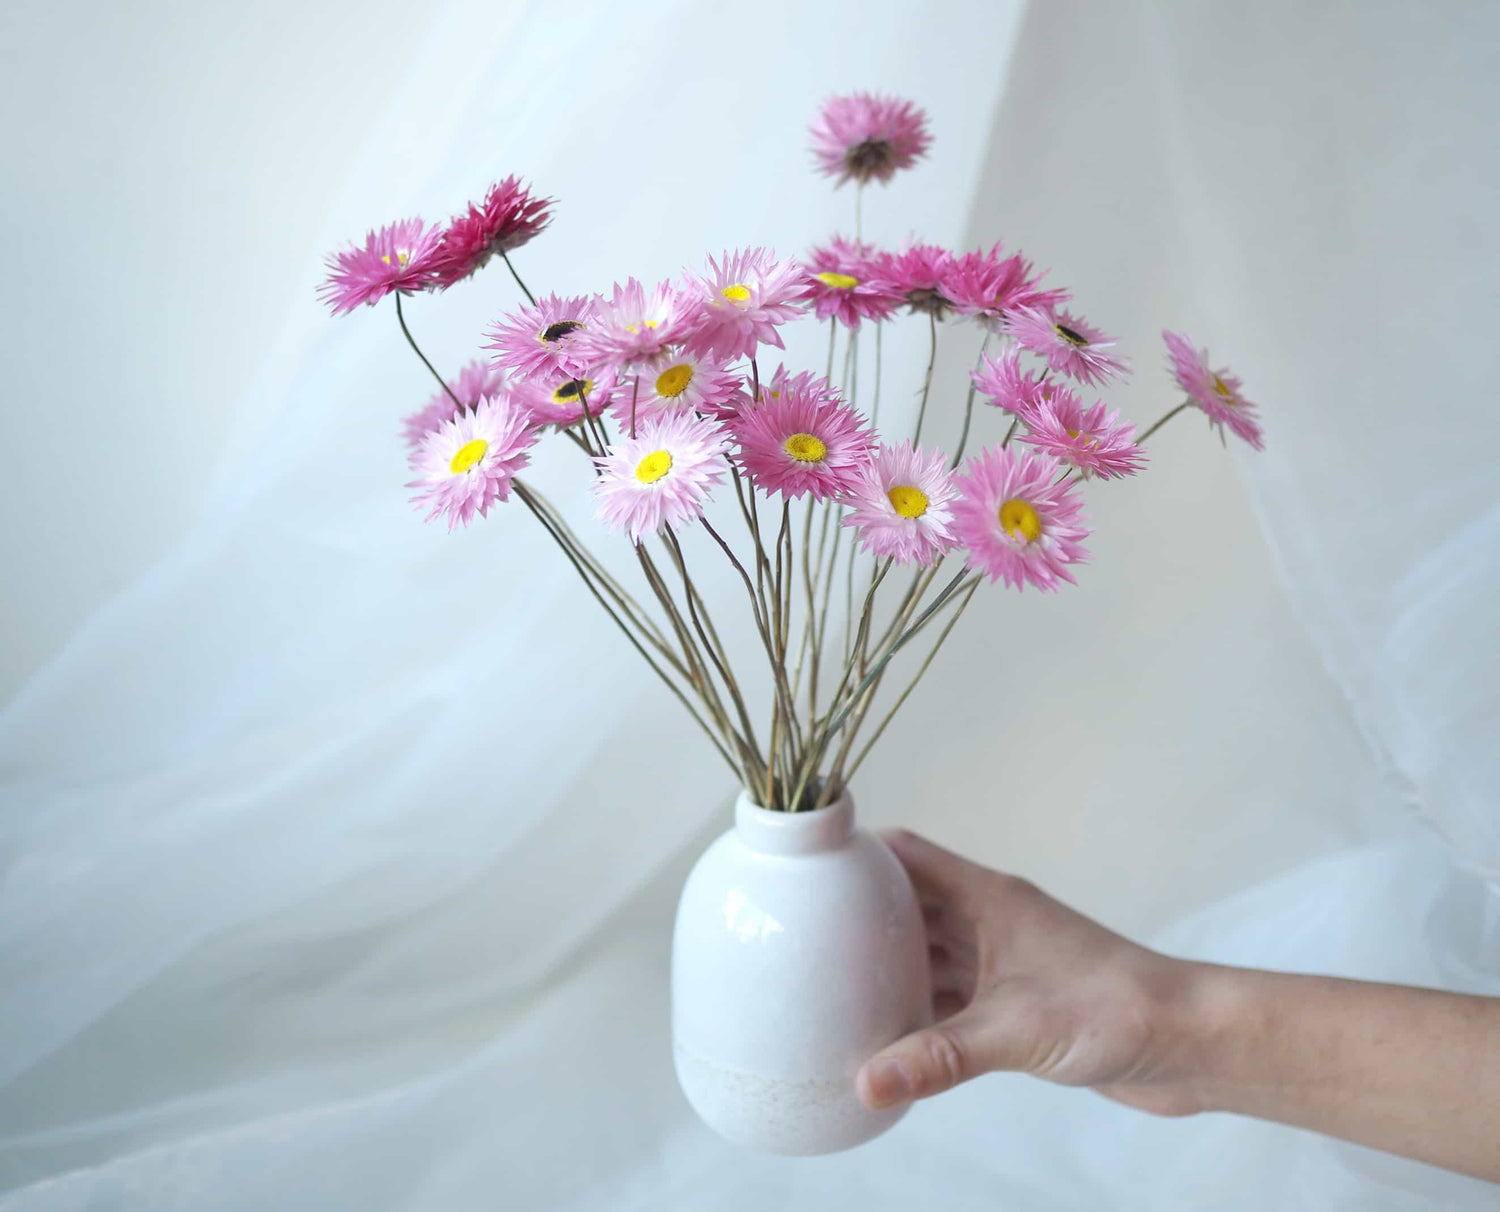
(799, 951)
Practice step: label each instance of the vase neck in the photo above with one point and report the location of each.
(767, 832)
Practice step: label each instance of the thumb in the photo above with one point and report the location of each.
(976, 1040)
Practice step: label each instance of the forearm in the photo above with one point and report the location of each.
(1410, 1071)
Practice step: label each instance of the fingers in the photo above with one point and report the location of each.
(938, 874)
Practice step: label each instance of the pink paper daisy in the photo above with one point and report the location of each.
(800, 438)
(507, 218)
(683, 382)
(661, 477)
(743, 299)
(842, 281)
(1017, 521)
(559, 399)
(542, 340)
(467, 465)
(1070, 345)
(988, 286)
(1216, 392)
(920, 274)
(400, 257)
(864, 137)
(902, 505)
(1002, 381)
(633, 328)
(476, 380)
(1084, 438)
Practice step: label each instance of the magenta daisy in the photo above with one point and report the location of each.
(1017, 521)
(920, 274)
(467, 465)
(743, 299)
(661, 477)
(902, 505)
(1216, 392)
(842, 281)
(541, 340)
(476, 380)
(1086, 439)
(507, 218)
(987, 286)
(559, 399)
(683, 382)
(633, 328)
(800, 438)
(1070, 345)
(864, 137)
(1002, 381)
(400, 257)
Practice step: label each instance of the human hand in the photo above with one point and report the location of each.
(1022, 982)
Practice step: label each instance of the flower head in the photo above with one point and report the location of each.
(864, 137)
(541, 340)
(681, 382)
(400, 257)
(902, 505)
(633, 328)
(1002, 381)
(1070, 345)
(800, 438)
(467, 465)
(988, 286)
(843, 281)
(559, 399)
(1016, 520)
(743, 299)
(507, 218)
(661, 477)
(920, 274)
(1083, 438)
(475, 381)
(1216, 392)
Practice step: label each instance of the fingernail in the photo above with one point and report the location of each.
(886, 1083)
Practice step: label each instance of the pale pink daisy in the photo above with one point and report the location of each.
(1086, 439)
(467, 465)
(542, 339)
(507, 218)
(920, 274)
(661, 477)
(902, 505)
(770, 389)
(1070, 345)
(864, 137)
(843, 282)
(400, 257)
(1002, 381)
(1017, 520)
(800, 438)
(476, 380)
(1216, 392)
(559, 399)
(683, 382)
(742, 300)
(633, 327)
(988, 286)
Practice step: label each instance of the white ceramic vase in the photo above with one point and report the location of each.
(799, 951)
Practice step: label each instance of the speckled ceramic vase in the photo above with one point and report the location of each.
(799, 951)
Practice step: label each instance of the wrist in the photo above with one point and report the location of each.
(1218, 1015)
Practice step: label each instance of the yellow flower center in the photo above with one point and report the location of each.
(568, 393)
(673, 381)
(908, 501)
(1019, 518)
(1076, 339)
(806, 448)
(736, 293)
(467, 455)
(1223, 389)
(554, 333)
(399, 262)
(645, 323)
(653, 467)
(837, 281)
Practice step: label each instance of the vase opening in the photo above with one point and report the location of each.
(812, 832)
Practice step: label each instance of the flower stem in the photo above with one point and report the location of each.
(417, 349)
(530, 298)
(1162, 421)
(927, 382)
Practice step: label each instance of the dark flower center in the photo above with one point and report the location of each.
(928, 300)
(865, 159)
(569, 390)
(556, 332)
(1075, 339)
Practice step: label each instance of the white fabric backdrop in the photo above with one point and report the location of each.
(313, 898)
